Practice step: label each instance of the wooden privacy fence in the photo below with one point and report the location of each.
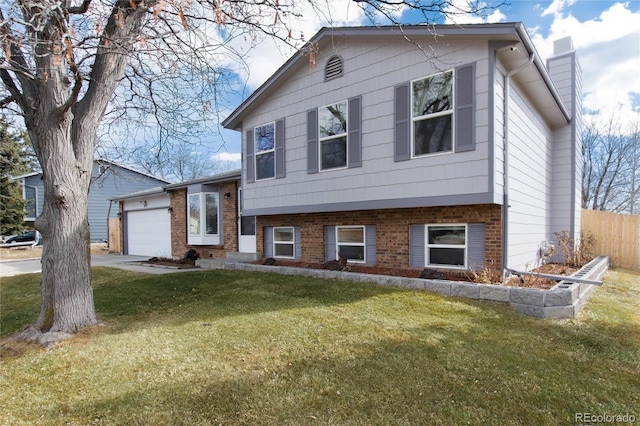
(115, 236)
(617, 236)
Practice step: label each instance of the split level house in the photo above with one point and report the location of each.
(446, 147)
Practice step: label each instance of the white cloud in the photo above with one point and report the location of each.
(456, 7)
(557, 6)
(608, 49)
(226, 156)
(268, 55)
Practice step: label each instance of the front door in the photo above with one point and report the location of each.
(246, 230)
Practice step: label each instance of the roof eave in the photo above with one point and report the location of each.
(234, 120)
(542, 70)
(220, 178)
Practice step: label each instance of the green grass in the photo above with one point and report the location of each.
(235, 348)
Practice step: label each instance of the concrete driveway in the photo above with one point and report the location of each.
(9, 268)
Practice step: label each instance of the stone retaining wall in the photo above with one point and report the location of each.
(564, 300)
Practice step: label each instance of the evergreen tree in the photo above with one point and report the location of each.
(11, 164)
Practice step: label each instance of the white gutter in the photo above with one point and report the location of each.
(505, 174)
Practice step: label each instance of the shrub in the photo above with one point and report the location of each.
(576, 253)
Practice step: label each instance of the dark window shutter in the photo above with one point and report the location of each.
(402, 133)
(355, 132)
(280, 152)
(475, 245)
(465, 114)
(250, 175)
(416, 246)
(312, 141)
(370, 247)
(329, 243)
(268, 241)
(297, 249)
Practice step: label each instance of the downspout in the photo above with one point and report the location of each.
(505, 174)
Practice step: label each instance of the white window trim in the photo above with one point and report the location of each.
(256, 154)
(328, 138)
(292, 243)
(363, 244)
(427, 246)
(451, 112)
(202, 238)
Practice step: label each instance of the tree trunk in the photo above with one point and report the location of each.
(67, 296)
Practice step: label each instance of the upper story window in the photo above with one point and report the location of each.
(332, 126)
(334, 68)
(432, 114)
(423, 112)
(203, 218)
(334, 136)
(264, 140)
(265, 153)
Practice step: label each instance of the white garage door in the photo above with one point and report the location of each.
(149, 233)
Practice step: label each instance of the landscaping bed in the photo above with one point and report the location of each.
(171, 263)
(463, 276)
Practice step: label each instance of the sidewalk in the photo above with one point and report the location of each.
(132, 263)
(11, 267)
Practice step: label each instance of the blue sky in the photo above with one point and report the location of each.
(606, 35)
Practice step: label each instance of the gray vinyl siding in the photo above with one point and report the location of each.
(530, 183)
(567, 199)
(115, 182)
(372, 70)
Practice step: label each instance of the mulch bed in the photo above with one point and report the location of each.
(179, 264)
(525, 281)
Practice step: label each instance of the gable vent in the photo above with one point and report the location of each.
(333, 68)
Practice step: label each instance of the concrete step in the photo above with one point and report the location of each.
(211, 263)
(242, 257)
(232, 257)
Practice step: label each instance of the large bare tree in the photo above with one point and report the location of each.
(64, 64)
(611, 158)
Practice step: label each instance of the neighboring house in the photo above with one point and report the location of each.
(109, 180)
(447, 147)
(201, 214)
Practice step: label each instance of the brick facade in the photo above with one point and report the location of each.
(179, 245)
(392, 230)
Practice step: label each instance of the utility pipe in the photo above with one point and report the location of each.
(505, 153)
(556, 277)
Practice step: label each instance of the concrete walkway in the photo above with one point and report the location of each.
(9, 268)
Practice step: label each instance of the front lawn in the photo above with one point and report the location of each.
(237, 348)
